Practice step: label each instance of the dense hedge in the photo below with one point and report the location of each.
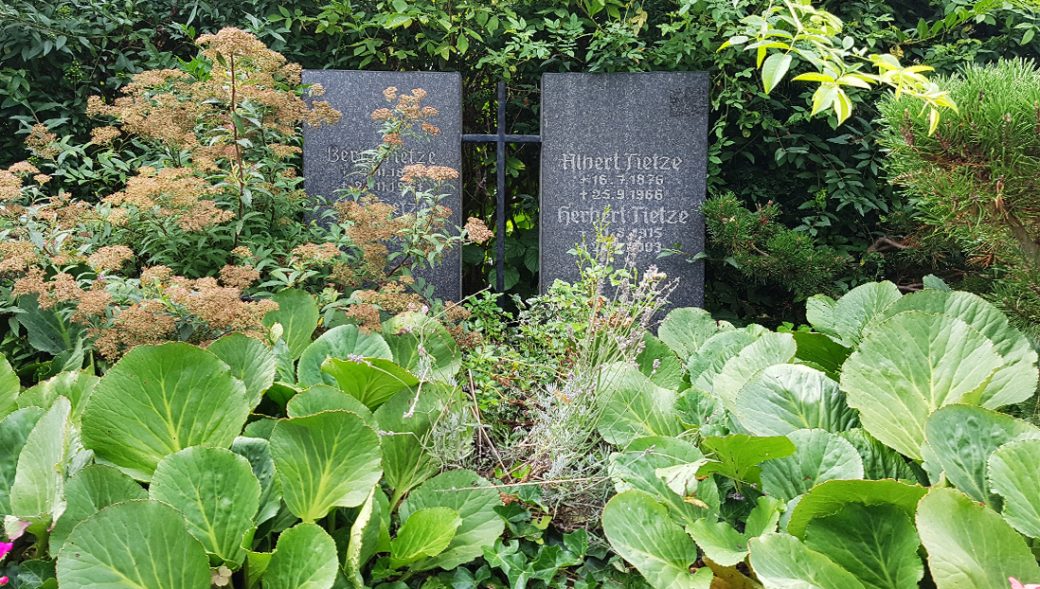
(825, 183)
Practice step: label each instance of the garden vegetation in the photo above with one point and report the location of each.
(209, 380)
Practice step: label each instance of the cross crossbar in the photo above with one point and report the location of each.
(500, 140)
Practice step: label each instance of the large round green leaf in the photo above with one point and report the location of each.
(14, 430)
(421, 345)
(323, 397)
(474, 499)
(251, 362)
(686, 329)
(304, 558)
(782, 562)
(76, 386)
(37, 495)
(405, 423)
(345, 341)
(1012, 475)
(632, 406)
(844, 320)
(159, 400)
(330, 459)
(969, 545)
(769, 349)
(878, 544)
(638, 468)
(738, 456)
(640, 530)
(786, 397)
(425, 534)
(819, 456)
(298, 314)
(89, 491)
(216, 492)
(257, 451)
(660, 364)
(369, 534)
(816, 349)
(370, 380)
(1013, 382)
(831, 497)
(961, 439)
(133, 545)
(879, 461)
(9, 387)
(707, 362)
(910, 365)
(720, 541)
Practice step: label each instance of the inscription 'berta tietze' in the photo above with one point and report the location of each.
(335, 154)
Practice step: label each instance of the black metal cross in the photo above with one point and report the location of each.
(500, 139)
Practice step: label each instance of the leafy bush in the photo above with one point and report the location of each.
(243, 449)
(205, 210)
(975, 180)
(829, 457)
(826, 182)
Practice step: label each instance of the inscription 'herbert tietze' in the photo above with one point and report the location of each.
(616, 150)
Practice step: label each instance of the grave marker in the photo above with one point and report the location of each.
(633, 142)
(330, 152)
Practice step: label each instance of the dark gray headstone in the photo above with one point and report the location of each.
(329, 152)
(636, 142)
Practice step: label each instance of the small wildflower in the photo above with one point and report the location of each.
(155, 275)
(110, 258)
(315, 253)
(104, 135)
(23, 169)
(5, 547)
(242, 252)
(477, 231)
(41, 142)
(240, 277)
(10, 186)
(415, 172)
(221, 577)
(390, 94)
(366, 315)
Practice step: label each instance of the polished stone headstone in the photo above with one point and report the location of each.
(330, 151)
(633, 144)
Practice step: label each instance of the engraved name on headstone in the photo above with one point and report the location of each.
(330, 152)
(630, 147)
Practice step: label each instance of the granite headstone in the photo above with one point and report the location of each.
(634, 144)
(330, 152)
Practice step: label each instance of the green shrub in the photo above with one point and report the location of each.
(976, 180)
(830, 456)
